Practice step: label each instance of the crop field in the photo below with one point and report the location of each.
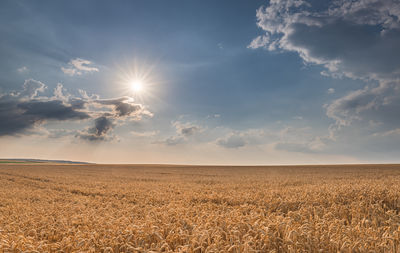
(161, 208)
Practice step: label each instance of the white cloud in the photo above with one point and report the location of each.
(330, 91)
(357, 39)
(291, 139)
(23, 69)
(389, 133)
(82, 65)
(260, 41)
(145, 133)
(301, 140)
(70, 71)
(79, 66)
(185, 131)
(31, 88)
(171, 141)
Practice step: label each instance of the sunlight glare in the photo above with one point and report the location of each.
(136, 85)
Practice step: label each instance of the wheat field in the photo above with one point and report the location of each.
(161, 208)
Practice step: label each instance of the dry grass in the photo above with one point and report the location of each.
(104, 208)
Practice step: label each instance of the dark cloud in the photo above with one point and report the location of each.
(50, 110)
(22, 111)
(102, 126)
(188, 131)
(123, 106)
(77, 103)
(19, 114)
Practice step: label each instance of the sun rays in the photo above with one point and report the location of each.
(138, 80)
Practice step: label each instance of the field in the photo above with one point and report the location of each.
(160, 208)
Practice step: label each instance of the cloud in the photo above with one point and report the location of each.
(389, 133)
(260, 41)
(215, 116)
(358, 39)
(173, 140)
(303, 139)
(330, 91)
(232, 141)
(122, 109)
(293, 147)
(379, 103)
(184, 132)
(187, 129)
(31, 88)
(237, 139)
(70, 71)
(23, 69)
(145, 133)
(79, 66)
(99, 132)
(355, 39)
(50, 110)
(21, 112)
(124, 106)
(59, 133)
(316, 144)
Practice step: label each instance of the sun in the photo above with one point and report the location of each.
(138, 81)
(136, 86)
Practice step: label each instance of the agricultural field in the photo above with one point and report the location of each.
(161, 208)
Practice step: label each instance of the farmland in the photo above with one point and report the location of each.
(167, 208)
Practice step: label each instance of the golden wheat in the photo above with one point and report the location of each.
(121, 208)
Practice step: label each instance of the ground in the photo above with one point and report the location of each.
(144, 208)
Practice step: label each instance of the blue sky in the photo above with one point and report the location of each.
(225, 82)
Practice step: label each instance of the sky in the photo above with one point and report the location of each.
(201, 82)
